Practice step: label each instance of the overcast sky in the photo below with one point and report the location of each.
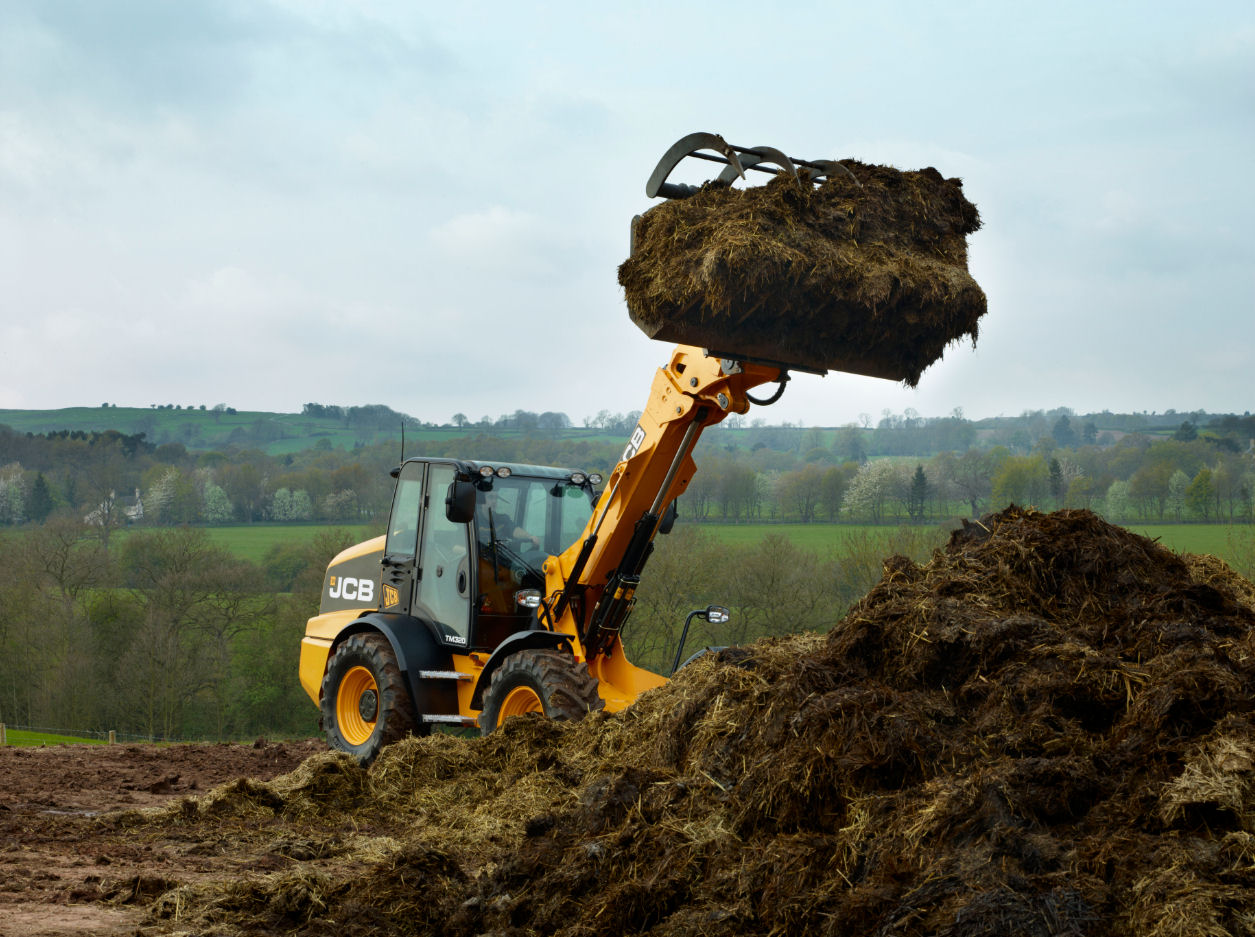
(265, 204)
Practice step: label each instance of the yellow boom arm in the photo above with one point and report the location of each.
(590, 587)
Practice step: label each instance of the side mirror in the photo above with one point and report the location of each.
(459, 503)
(668, 517)
(715, 614)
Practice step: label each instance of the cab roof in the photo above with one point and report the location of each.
(472, 467)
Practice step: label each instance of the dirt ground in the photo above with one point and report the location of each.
(57, 862)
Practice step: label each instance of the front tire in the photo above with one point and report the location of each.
(365, 704)
(548, 682)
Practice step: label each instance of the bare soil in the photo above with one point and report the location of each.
(62, 870)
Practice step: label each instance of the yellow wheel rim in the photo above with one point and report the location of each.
(354, 724)
(522, 699)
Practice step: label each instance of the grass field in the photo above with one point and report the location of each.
(1191, 538)
(252, 541)
(1183, 538)
(1216, 539)
(19, 737)
(820, 537)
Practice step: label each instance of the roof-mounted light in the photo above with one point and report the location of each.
(578, 478)
(504, 472)
(595, 478)
(486, 471)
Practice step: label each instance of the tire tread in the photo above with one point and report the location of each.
(566, 688)
(397, 719)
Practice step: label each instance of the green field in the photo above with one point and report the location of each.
(19, 737)
(1217, 539)
(1192, 538)
(253, 541)
(820, 537)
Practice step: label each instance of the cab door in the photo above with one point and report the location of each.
(400, 552)
(443, 582)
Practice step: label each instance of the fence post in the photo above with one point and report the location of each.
(4, 735)
(113, 737)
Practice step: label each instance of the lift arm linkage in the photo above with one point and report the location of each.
(591, 586)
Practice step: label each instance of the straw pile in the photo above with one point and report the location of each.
(1049, 728)
(868, 276)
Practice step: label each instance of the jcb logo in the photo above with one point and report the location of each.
(391, 597)
(352, 590)
(634, 444)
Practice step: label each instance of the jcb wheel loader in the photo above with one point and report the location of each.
(502, 589)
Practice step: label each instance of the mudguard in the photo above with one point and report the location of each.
(416, 646)
(519, 641)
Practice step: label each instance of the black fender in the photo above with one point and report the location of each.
(417, 648)
(519, 641)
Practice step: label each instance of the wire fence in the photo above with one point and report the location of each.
(110, 736)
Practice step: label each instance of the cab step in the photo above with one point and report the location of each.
(450, 719)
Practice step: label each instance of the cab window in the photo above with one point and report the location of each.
(403, 524)
(576, 510)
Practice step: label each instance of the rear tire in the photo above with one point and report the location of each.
(548, 682)
(365, 704)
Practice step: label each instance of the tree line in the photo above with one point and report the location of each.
(163, 635)
(758, 473)
(160, 634)
(1138, 479)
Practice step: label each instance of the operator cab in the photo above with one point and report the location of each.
(465, 537)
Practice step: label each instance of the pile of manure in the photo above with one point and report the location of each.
(1047, 729)
(865, 273)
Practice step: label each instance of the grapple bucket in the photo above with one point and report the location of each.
(829, 266)
(736, 159)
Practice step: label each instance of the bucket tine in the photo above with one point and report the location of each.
(735, 160)
(825, 168)
(753, 158)
(687, 146)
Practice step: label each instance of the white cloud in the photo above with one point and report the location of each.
(273, 202)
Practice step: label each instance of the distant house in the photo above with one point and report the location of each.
(130, 509)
